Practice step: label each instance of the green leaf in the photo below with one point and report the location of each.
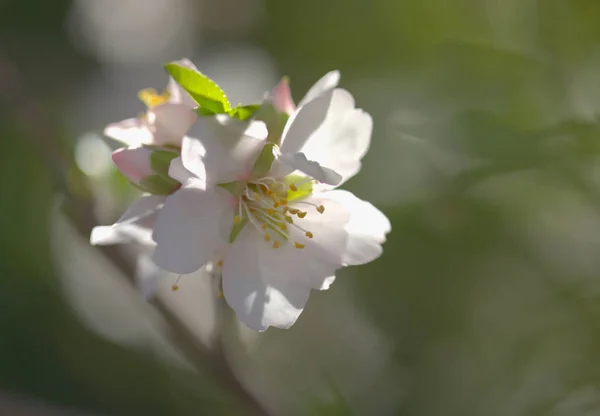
(158, 185)
(160, 160)
(209, 96)
(244, 112)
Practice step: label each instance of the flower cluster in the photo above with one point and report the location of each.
(251, 190)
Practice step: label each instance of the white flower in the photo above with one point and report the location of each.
(168, 118)
(256, 210)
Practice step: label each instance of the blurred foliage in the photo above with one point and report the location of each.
(488, 287)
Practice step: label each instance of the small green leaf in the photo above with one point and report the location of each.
(234, 188)
(304, 188)
(262, 166)
(160, 160)
(209, 96)
(244, 112)
(158, 185)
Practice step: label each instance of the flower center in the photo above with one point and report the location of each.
(151, 98)
(264, 203)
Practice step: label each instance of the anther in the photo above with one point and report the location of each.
(293, 187)
(293, 211)
(276, 204)
(289, 219)
(267, 237)
(301, 214)
(321, 209)
(237, 220)
(174, 288)
(271, 211)
(298, 245)
(275, 244)
(309, 234)
(264, 226)
(220, 263)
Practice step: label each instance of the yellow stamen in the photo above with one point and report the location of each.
(276, 204)
(275, 244)
(293, 211)
(220, 263)
(237, 220)
(309, 234)
(301, 214)
(321, 209)
(220, 295)
(293, 187)
(271, 211)
(282, 202)
(289, 219)
(174, 288)
(298, 245)
(263, 226)
(267, 237)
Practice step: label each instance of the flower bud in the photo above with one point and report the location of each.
(282, 97)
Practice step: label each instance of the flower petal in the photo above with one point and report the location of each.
(134, 226)
(133, 132)
(178, 172)
(330, 131)
(298, 161)
(366, 228)
(328, 82)
(171, 122)
(190, 228)
(262, 292)
(225, 151)
(134, 163)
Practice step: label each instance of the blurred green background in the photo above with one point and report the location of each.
(485, 156)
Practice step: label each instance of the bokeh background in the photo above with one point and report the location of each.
(485, 156)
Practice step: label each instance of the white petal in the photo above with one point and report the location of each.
(134, 226)
(311, 168)
(262, 292)
(366, 229)
(330, 131)
(171, 122)
(328, 82)
(178, 172)
(133, 132)
(178, 94)
(226, 153)
(104, 235)
(329, 235)
(191, 227)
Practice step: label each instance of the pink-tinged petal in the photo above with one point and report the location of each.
(170, 123)
(367, 228)
(328, 82)
(134, 163)
(133, 132)
(192, 228)
(282, 97)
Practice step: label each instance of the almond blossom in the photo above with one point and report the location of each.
(263, 206)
